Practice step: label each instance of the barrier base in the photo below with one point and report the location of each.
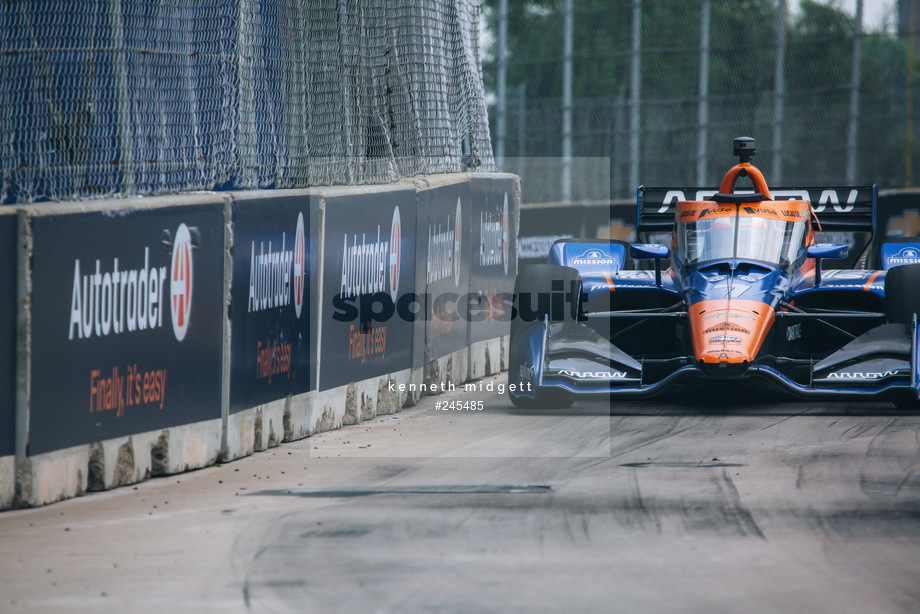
(54, 476)
(488, 357)
(360, 401)
(7, 481)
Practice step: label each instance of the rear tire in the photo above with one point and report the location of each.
(534, 287)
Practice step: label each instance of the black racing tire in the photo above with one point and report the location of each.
(548, 399)
(907, 402)
(902, 301)
(902, 293)
(532, 282)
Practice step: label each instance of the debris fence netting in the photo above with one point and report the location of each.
(144, 97)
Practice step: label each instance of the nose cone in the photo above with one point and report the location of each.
(729, 330)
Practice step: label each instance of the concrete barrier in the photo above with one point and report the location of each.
(157, 335)
(272, 299)
(120, 373)
(8, 353)
(496, 219)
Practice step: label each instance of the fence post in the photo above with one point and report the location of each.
(567, 44)
(703, 116)
(501, 80)
(909, 127)
(122, 108)
(853, 124)
(779, 93)
(635, 95)
(521, 127)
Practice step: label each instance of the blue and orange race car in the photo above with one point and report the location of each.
(742, 291)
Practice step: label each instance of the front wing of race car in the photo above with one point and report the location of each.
(564, 360)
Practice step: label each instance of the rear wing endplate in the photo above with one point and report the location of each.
(839, 209)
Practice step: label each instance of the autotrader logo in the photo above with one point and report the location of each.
(180, 286)
(505, 233)
(365, 263)
(300, 257)
(457, 234)
(444, 250)
(493, 238)
(395, 253)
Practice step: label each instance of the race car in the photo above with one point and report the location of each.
(741, 292)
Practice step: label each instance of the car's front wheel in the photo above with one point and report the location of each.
(902, 301)
(538, 289)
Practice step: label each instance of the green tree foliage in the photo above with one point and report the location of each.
(743, 47)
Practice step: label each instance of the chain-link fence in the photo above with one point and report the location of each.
(661, 87)
(134, 97)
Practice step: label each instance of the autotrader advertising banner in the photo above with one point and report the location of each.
(494, 256)
(127, 311)
(270, 299)
(7, 334)
(447, 261)
(369, 301)
(420, 328)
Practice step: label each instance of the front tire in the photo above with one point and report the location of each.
(902, 293)
(548, 399)
(902, 301)
(534, 289)
(907, 402)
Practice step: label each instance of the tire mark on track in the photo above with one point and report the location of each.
(879, 471)
(735, 509)
(862, 428)
(642, 442)
(641, 514)
(783, 419)
(907, 475)
(890, 422)
(576, 528)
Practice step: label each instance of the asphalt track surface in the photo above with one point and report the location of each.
(707, 500)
